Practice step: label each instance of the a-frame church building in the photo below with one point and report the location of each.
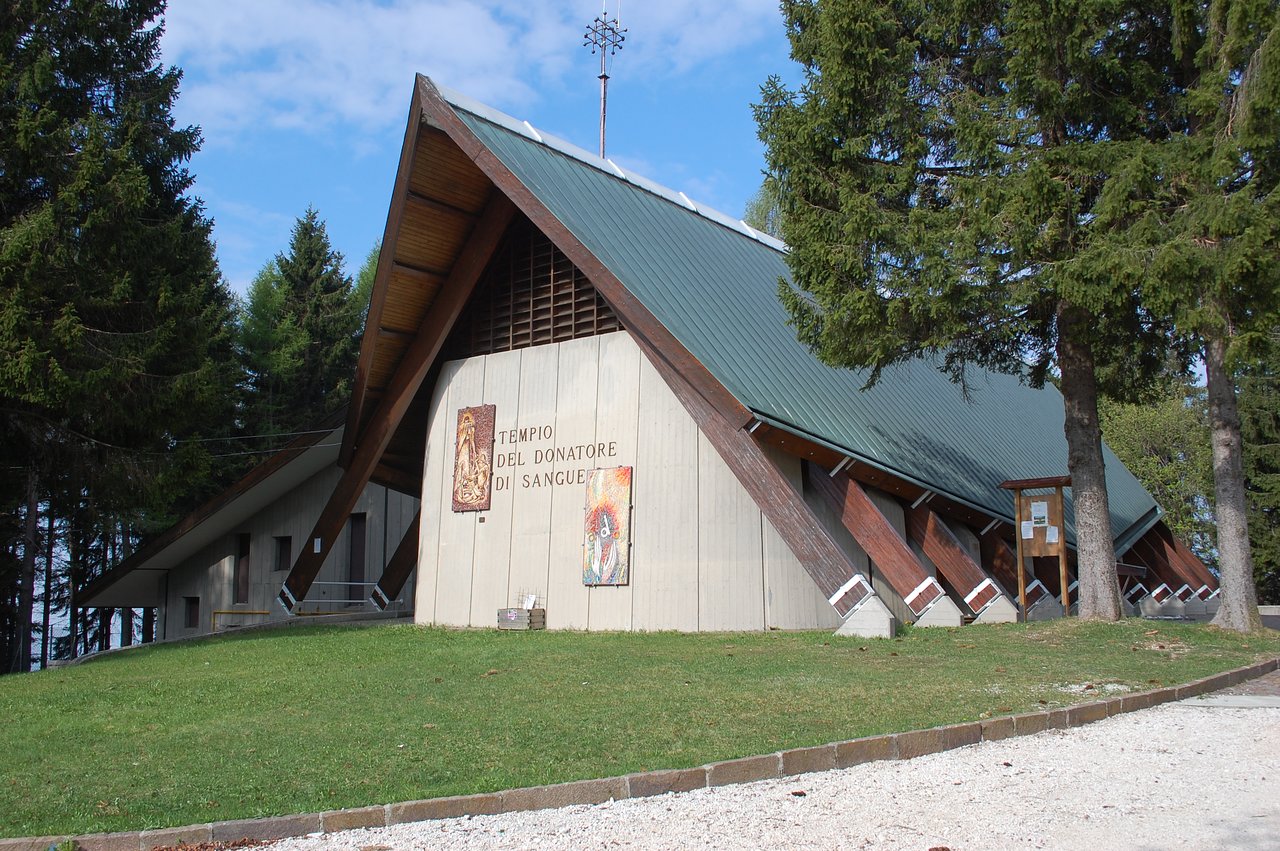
(589, 381)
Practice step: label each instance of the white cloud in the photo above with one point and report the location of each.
(313, 64)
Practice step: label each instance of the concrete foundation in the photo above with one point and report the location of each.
(1046, 610)
(1195, 609)
(999, 610)
(943, 612)
(870, 620)
(1170, 608)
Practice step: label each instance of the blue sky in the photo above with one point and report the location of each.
(305, 102)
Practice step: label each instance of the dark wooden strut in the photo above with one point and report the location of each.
(827, 564)
(876, 535)
(954, 563)
(1002, 562)
(1160, 557)
(1191, 565)
(402, 563)
(404, 384)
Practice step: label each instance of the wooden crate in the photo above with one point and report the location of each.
(522, 618)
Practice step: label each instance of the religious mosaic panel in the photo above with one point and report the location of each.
(606, 557)
(473, 459)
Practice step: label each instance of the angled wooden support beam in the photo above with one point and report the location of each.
(397, 571)
(837, 577)
(1001, 561)
(876, 535)
(404, 384)
(1164, 574)
(1192, 568)
(955, 564)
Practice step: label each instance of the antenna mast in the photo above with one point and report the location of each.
(604, 36)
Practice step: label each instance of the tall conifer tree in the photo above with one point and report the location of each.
(1208, 199)
(946, 172)
(299, 333)
(114, 324)
(1259, 384)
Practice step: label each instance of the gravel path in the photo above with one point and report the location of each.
(1182, 775)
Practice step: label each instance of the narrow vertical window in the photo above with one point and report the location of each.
(356, 564)
(284, 552)
(242, 570)
(191, 612)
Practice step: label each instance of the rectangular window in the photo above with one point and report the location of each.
(355, 566)
(191, 612)
(284, 552)
(242, 570)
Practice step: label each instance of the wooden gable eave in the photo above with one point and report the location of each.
(437, 202)
(378, 297)
(652, 335)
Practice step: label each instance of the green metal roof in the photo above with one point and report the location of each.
(712, 282)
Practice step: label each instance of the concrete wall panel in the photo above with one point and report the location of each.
(703, 557)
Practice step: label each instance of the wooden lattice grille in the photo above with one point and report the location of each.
(530, 295)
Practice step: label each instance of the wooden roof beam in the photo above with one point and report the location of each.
(404, 384)
(877, 537)
(940, 544)
(1191, 564)
(1000, 560)
(402, 563)
(422, 275)
(431, 205)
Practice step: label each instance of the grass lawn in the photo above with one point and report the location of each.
(318, 718)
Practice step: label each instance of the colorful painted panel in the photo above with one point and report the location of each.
(606, 557)
(473, 458)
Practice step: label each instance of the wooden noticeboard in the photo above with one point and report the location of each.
(1040, 524)
(1040, 529)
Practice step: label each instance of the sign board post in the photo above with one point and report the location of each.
(1040, 529)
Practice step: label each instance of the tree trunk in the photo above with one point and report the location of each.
(1239, 607)
(46, 637)
(104, 629)
(26, 585)
(1095, 548)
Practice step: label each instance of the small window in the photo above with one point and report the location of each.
(241, 576)
(355, 563)
(191, 619)
(284, 552)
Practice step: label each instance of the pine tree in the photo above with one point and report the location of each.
(299, 334)
(114, 323)
(946, 175)
(1259, 384)
(1208, 200)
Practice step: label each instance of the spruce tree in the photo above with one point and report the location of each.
(115, 338)
(946, 176)
(1259, 384)
(299, 334)
(1208, 202)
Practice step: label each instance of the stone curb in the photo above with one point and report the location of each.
(905, 745)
